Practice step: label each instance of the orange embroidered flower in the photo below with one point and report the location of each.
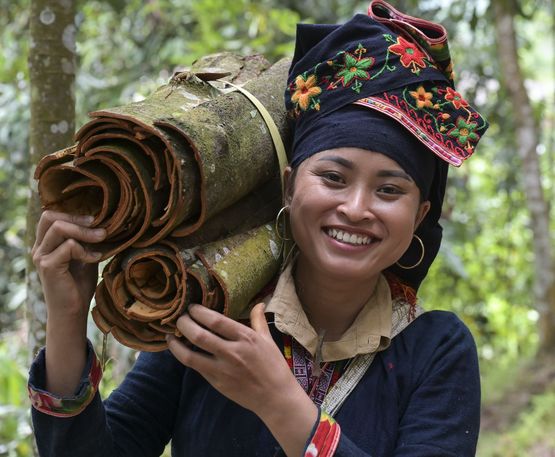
(455, 98)
(423, 98)
(411, 55)
(305, 91)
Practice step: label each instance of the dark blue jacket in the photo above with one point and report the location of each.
(419, 398)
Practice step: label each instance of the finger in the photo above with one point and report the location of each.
(258, 319)
(218, 323)
(48, 217)
(59, 259)
(198, 361)
(61, 230)
(199, 336)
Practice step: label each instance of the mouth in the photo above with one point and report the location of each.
(353, 239)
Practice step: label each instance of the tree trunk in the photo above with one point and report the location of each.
(52, 65)
(527, 136)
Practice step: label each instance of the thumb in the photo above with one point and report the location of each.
(258, 319)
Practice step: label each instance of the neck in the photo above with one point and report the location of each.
(331, 303)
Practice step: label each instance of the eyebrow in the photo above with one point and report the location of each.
(340, 160)
(395, 174)
(382, 173)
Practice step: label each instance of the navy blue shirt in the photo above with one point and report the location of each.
(419, 398)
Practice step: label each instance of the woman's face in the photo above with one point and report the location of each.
(353, 212)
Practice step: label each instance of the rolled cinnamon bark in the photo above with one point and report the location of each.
(183, 182)
(144, 291)
(164, 166)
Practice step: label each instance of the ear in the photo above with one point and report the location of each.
(288, 184)
(421, 213)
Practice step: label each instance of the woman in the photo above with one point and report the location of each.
(376, 119)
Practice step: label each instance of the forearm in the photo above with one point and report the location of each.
(66, 355)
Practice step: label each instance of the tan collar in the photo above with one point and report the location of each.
(370, 332)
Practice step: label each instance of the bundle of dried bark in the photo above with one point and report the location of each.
(144, 291)
(183, 183)
(166, 165)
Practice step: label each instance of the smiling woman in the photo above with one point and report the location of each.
(339, 358)
(353, 214)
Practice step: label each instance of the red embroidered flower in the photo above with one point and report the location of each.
(305, 91)
(423, 98)
(455, 98)
(464, 131)
(411, 55)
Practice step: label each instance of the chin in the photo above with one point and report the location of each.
(348, 270)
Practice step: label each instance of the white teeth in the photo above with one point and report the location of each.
(350, 238)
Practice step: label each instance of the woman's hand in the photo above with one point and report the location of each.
(68, 272)
(246, 365)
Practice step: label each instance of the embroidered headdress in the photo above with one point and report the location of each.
(384, 81)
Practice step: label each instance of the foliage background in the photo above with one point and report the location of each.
(485, 269)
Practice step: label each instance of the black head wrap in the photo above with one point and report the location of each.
(359, 127)
(383, 82)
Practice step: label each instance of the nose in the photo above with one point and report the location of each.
(356, 205)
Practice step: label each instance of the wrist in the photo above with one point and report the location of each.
(293, 415)
(66, 317)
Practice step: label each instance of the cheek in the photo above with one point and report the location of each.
(400, 219)
(308, 206)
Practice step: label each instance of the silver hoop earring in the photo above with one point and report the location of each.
(281, 234)
(404, 267)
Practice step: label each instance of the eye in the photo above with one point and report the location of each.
(332, 177)
(390, 190)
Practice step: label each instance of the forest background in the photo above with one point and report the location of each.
(495, 268)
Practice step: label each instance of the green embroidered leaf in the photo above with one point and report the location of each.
(350, 61)
(365, 63)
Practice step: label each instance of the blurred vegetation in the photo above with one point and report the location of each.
(485, 269)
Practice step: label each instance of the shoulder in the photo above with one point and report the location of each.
(438, 327)
(436, 341)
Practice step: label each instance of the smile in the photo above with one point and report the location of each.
(349, 238)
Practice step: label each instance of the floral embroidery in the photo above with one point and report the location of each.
(464, 132)
(422, 97)
(306, 90)
(432, 119)
(354, 68)
(423, 103)
(411, 55)
(455, 98)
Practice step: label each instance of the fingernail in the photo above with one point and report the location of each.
(87, 220)
(96, 255)
(99, 232)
